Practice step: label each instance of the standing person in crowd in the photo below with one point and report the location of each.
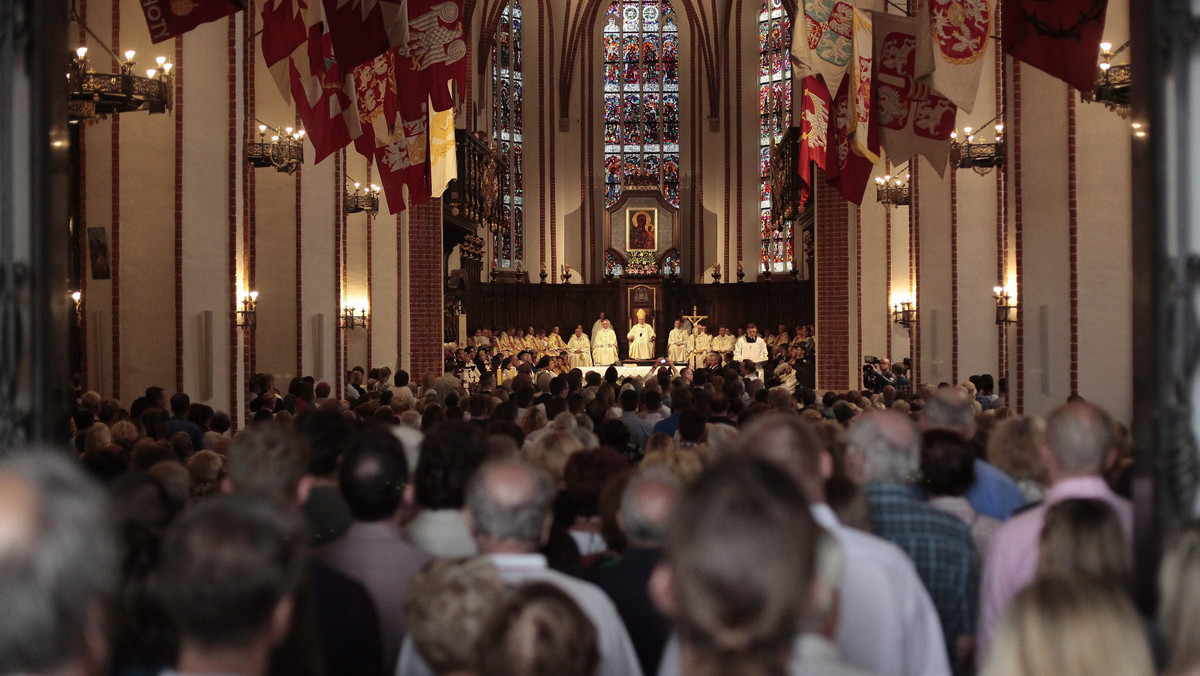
(888, 446)
(751, 347)
(677, 344)
(641, 338)
(1179, 599)
(947, 470)
(1013, 447)
(1078, 442)
(447, 609)
(737, 570)
(579, 349)
(538, 631)
(604, 345)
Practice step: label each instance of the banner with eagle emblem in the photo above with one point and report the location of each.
(952, 38)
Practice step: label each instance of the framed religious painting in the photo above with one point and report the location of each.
(641, 230)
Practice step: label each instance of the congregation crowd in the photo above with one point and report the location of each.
(698, 519)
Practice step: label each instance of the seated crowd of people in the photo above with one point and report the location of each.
(691, 521)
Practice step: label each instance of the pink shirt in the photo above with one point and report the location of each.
(1012, 558)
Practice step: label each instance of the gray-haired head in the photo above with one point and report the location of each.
(647, 505)
(510, 500)
(889, 444)
(58, 562)
(950, 409)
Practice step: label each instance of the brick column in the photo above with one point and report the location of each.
(425, 286)
(833, 288)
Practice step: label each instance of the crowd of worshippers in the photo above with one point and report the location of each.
(790, 357)
(668, 524)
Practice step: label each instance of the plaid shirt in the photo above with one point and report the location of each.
(940, 546)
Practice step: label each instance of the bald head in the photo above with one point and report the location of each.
(889, 445)
(792, 445)
(509, 501)
(647, 506)
(950, 409)
(1079, 437)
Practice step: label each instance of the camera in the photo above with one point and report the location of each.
(870, 360)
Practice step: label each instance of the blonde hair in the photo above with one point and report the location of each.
(1084, 537)
(98, 436)
(1179, 594)
(447, 608)
(1069, 627)
(551, 450)
(685, 463)
(1013, 448)
(125, 434)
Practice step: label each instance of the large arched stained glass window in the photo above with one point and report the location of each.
(641, 95)
(775, 111)
(507, 118)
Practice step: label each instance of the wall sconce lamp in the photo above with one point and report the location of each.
(904, 313)
(969, 152)
(247, 314)
(362, 199)
(1006, 307)
(892, 192)
(349, 320)
(77, 298)
(284, 151)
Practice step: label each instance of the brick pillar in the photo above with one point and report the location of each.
(425, 286)
(833, 288)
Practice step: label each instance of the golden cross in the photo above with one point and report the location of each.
(695, 318)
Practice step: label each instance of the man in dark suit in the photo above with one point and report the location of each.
(646, 508)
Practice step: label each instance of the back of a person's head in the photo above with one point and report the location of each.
(510, 500)
(328, 435)
(205, 471)
(1179, 598)
(586, 473)
(1085, 538)
(629, 400)
(268, 460)
(552, 449)
(692, 425)
(1069, 627)
(787, 442)
(539, 631)
(58, 564)
(647, 506)
(449, 456)
(373, 475)
(180, 402)
(741, 558)
(947, 463)
(226, 565)
(889, 444)
(949, 408)
(1080, 437)
(447, 607)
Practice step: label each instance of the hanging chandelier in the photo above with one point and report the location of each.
(1114, 82)
(284, 150)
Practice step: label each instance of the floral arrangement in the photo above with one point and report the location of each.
(641, 264)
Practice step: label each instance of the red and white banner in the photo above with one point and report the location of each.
(168, 18)
(325, 98)
(395, 129)
(1061, 38)
(814, 131)
(952, 37)
(845, 168)
(821, 44)
(287, 25)
(913, 119)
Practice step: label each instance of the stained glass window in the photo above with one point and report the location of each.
(507, 120)
(775, 115)
(641, 95)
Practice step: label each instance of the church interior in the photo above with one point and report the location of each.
(201, 257)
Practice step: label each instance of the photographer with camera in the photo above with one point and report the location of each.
(877, 374)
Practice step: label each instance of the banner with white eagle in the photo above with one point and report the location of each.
(952, 38)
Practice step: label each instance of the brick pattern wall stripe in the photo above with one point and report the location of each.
(249, 58)
(1018, 235)
(858, 284)
(425, 282)
(401, 308)
(298, 185)
(544, 130)
(339, 225)
(370, 278)
(833, 287)
(739, 124)
(178, 112)
(231, 215)
(697, 205)
(887, 278)
(115, 234)
(553, 156)
(914, 269)
(726, 223)
(1073, 233)
(81, 228)
(954, 277)
(1002, 177)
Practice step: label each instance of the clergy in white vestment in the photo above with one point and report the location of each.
(604, 347)
(579, 349)
(699, 345)
(677, 344)
(641, 338)
(596, 326)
